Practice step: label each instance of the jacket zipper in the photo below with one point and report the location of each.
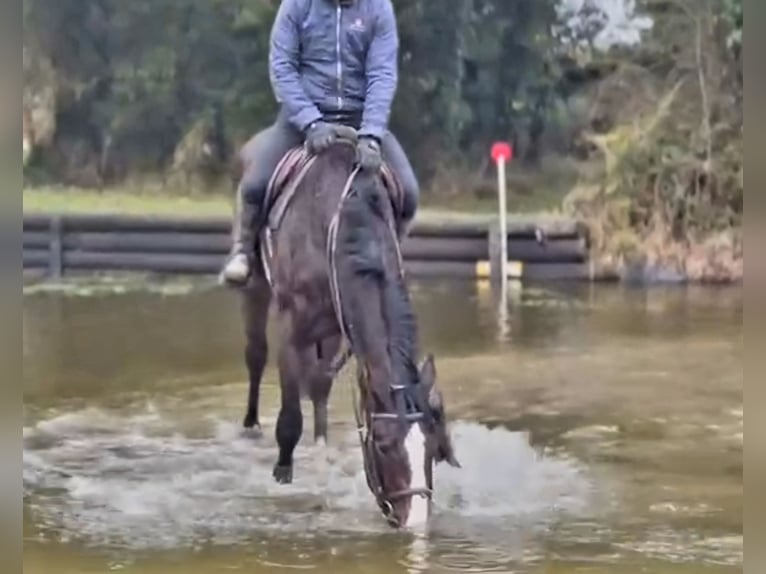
(339, 65)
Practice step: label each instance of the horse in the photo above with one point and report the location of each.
(331, 267)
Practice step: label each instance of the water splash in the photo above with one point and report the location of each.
(137, 482)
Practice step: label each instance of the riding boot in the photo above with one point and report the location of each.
(241, 259)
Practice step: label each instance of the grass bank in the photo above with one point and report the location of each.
(127, 201)
(149, 202)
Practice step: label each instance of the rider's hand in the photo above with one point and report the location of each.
(319, 136)
(368, 154)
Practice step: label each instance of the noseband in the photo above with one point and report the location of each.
(386, 500)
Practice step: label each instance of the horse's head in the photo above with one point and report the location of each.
(403, 453)
(406, 427)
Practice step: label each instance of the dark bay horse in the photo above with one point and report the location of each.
(336, 275)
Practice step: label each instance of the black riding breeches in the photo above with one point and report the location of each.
(263, 152)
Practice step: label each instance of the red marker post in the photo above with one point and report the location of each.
(502, 153)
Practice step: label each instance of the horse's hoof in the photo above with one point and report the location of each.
(283, 474)
(252, 431)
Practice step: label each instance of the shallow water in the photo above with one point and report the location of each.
(603, 435)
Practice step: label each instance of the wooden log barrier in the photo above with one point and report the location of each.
(558, 229)
(146, 262)
(430, 248)
(557, 272)
(56, 249)
(152, 242)
(440, 269)
(37, 222)
(35, 258)
(80, 243)
(420, 248)
(560, 251)
(36, 239)
(146, 224)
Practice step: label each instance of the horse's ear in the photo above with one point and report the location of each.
(428, 371)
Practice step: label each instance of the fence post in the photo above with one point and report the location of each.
(56, 248)
(495, 253)
(502, 153)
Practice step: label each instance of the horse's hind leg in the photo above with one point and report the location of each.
(255, 307)
(293, 364)
(321, 384)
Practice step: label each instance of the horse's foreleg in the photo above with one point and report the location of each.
(257, 299)
(292, 366)
(321, 384)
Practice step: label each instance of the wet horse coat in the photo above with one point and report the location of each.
(372, 299)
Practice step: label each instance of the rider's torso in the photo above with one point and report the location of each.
(334, 41)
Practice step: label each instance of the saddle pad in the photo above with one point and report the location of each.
(290, 164)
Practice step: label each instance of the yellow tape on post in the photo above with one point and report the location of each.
(514, 269)
(483, 269)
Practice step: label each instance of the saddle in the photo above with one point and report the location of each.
(290, 172)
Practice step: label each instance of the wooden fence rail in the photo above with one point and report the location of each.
(57, 245)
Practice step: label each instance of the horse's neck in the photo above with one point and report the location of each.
(377, 380)
(369, 264)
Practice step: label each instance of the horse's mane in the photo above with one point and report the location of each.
(367, 244)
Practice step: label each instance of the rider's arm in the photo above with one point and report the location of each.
(284, 73)
(382, 73)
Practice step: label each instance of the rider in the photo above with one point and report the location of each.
(330, 62)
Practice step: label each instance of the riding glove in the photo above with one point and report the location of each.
(368, 154)
(320, 136)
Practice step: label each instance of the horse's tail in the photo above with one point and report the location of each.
(375, 302)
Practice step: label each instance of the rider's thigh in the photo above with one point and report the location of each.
(394, 154)
(260, 156)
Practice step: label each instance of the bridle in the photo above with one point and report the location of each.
(364, 415)
(365, 419)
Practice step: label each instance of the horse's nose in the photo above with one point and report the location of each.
(390, 514)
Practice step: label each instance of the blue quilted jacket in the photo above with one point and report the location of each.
(335, 56)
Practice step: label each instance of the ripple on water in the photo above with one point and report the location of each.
(135, 482)
(688, 547)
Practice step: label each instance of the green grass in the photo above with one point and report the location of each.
(456, 196)
(542, 202)
(127, 201)
(139, 201)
